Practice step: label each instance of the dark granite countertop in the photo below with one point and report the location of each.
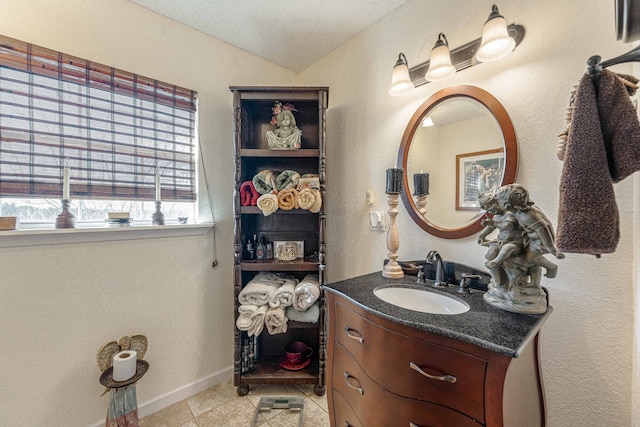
(483, 325)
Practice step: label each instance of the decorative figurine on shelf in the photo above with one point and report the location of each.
(516, 257)
(286, 135)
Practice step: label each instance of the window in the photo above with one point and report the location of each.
(114, 128)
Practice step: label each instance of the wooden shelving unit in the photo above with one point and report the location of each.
(251, 120)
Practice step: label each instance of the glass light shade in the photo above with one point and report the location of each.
(400, 80)
(428, 122)
(496, 42)
(440, 66)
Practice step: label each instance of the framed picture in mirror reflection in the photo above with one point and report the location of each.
(476, 173)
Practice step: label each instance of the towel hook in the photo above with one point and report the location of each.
(594, 66)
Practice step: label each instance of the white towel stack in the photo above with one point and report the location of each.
(263, 302)
(251, 318)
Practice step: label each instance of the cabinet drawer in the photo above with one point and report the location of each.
(343, 413)
(413, 368)
(378, 407)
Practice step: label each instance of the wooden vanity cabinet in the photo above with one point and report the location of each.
(252, 114)
(383, 373)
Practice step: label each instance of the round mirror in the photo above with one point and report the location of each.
(459, 143)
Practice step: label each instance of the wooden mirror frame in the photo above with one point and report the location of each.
(510, 155)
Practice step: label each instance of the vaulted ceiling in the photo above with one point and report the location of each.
(291, 33)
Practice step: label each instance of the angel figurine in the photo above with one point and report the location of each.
(122, 408)
(286, 135)
(516, 257)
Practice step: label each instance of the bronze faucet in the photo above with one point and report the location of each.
(434, 256)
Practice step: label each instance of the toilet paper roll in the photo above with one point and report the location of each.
(124, 365)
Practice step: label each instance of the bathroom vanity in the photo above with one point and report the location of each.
(390, 366)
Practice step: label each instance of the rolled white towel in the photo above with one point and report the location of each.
(306, 292)
(260, 289)
(276, 321)
(283, 296)
(317, 204)
(251, 318)
(268, 203)
(311, 315)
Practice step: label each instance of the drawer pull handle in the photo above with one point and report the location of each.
(413, 424)
(347, 377)
(357, 337)
(448, 378)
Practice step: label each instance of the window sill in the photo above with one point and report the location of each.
(53, 236)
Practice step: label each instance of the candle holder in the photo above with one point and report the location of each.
(66, 219)
(421, 203)
(158, 217)
(392, 269)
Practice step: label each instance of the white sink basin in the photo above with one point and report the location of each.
(421, 300)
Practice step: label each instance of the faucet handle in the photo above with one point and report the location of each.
(420, 278)
(465, 282)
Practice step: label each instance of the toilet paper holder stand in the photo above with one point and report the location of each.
(106, 379)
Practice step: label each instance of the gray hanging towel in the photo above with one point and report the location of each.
(619, 124)
(603, 147)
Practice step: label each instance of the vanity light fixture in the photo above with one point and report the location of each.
(440, 66)
(476, 51)
(496, 41)
(400, 80)
(428, 122)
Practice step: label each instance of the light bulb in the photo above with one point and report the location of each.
(440, 66)
(496, 42)
(400, 79)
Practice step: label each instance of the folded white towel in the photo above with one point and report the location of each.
(306, 292)
(260, 289)
(251, 318)
(283, 296)
(268, 276)
(311, 315)
(276, 321)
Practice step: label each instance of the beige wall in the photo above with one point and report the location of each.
(61, 302)
(587, 343)
(635, 372)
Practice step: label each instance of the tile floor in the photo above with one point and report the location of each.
(220, 406)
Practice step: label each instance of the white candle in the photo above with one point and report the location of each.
(66, 186)
(158, 188)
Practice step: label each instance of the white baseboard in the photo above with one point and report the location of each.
(175, 396)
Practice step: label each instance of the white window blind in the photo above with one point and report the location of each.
(115, 128)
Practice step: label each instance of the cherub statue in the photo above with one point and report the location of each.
(510, 240)
(516, 257)
(538, 228)
(286, 135)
